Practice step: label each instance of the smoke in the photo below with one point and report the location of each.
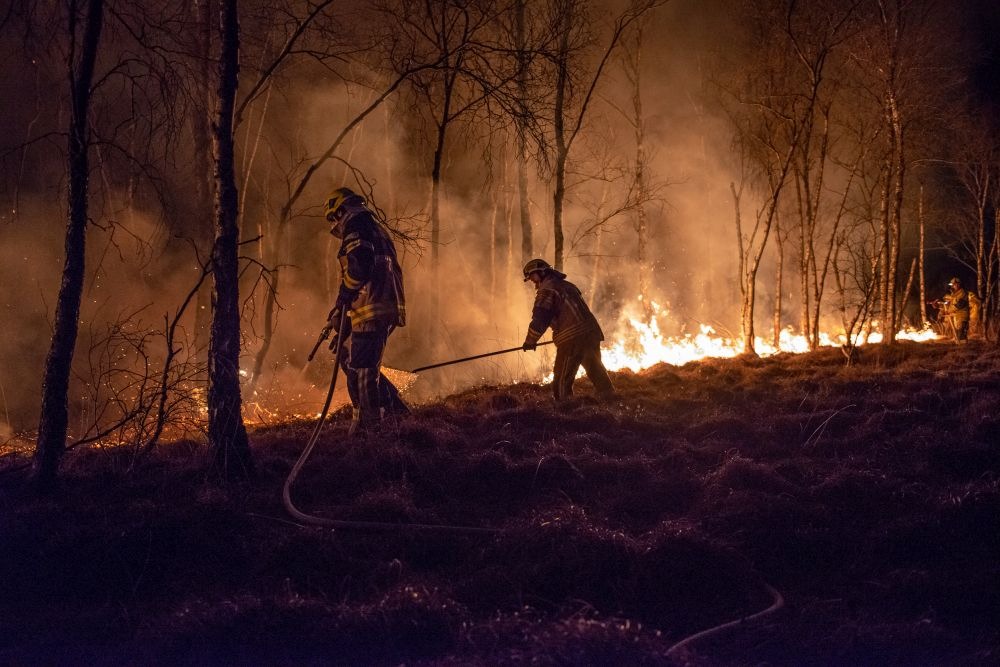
(133, 282)
(472, 300)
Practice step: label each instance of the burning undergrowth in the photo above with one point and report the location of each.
(868, 496)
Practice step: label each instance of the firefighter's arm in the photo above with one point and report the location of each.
(360, 255)
(541, 317)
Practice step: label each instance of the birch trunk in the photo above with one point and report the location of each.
(227, 436)
(54, 418)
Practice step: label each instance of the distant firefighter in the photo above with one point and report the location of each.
(575, 331)
(954, 307)
(371, 295)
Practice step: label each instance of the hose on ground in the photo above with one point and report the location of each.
(342, 524)
(777, 602)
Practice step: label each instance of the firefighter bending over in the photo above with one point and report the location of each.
(575, 331)
(954, 306)
(371, 294)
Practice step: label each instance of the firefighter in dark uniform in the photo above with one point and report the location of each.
(371, 296)
(955, 307)
(575, 331)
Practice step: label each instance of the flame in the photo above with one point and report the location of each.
(638, 344)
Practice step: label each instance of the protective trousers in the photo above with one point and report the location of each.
(585, 351)
(369, 389)
(960, 326)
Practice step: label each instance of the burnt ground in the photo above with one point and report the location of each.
(868, 497)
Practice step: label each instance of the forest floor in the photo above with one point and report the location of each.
(867, 497)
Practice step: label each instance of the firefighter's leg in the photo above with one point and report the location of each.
(596, 371)
(389, 398)
(962, 329)
(366, 358)
(569, 356)
(350, 374)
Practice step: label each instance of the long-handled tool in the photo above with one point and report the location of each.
(475, 356)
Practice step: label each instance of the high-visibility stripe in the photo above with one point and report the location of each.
(354, 244)
(372, 311)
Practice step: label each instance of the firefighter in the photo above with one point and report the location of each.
(371, 296)
(954, 306)
(575, 331)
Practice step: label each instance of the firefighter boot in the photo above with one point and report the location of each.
(363, 422)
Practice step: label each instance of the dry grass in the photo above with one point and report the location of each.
(869, 496)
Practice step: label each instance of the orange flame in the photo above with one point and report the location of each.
(638, 344)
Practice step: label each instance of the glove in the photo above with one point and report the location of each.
(529, 346)
(333, 319)
(345, 297)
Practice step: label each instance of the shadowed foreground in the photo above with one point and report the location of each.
(869, 497)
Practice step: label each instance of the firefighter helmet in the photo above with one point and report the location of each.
(954, 282)
(337, 199)
(535, 265)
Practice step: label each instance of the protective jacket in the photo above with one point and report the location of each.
(956, 304)
(372, 280)
(559, 304)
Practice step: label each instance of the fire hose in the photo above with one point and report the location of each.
(380, 526)
(375, 526)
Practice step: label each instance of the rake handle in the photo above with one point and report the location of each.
(475, 356)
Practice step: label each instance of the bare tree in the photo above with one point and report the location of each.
(569, 111)
(976, 165)
(903, 71)
(633, 71)
(521, 123)
(458, 37)
(227, 435)
(751, 246)
(53, 422)
(922, 256)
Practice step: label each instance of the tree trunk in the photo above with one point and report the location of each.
(229, 447)
(885, 242)
(562, 151)
(920, 258)
(981, 239)
(442, 132)
(522, 138)
(778, 283)
(595, 278)
(988, 308)
(498, 197)
(804, 248)
(749, 297)
(200, 226)
(54, 416)
(896, 215)
(641, 228)
(906, 291)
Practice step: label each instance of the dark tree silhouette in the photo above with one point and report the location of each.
(227, 435)
(55, 388)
